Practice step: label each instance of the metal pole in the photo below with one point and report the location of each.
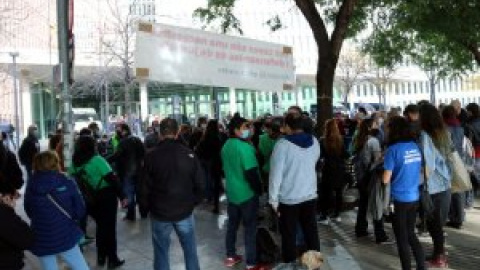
(67, 125)
(16, 93)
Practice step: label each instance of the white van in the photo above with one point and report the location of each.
(82, 117)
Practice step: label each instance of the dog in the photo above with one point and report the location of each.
(310, 260)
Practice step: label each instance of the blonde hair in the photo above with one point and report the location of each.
(46, 161)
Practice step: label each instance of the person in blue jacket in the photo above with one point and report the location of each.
(54, 205)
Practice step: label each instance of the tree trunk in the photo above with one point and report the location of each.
(325, 79)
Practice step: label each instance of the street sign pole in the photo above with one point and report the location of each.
(16, 94)
(67, 125)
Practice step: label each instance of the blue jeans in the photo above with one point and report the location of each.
(73, 257)
(246, 212)
(130, 190)
(185, 230)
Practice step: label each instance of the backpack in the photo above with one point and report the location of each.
(357, 167)
(268, 247)
(88, 192)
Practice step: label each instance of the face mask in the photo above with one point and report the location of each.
(245, 134)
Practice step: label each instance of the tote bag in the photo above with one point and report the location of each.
(460, 176)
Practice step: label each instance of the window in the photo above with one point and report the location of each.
(409, 88)
(395, 86)
(403, 88)
(358, 90)
(149, 9)
(365, 90)
(371, 90)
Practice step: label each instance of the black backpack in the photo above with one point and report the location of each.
(268, 247)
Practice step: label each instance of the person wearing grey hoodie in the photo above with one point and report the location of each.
(293, 186)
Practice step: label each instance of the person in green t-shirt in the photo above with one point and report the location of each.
(267, 141)
(242, 188)
(98, 174)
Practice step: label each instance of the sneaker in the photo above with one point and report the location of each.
(324, 221)
(454, 225)
(337, 219)
(438, 262)
(232, 261)
(385, 241)
(258, 267)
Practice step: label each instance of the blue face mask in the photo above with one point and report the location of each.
(245, 134)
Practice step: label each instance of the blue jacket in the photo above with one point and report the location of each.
(439, 175)
(54, 231)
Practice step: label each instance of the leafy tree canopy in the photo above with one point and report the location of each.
(440, 35)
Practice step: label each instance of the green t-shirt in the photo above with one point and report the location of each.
(237, 157)
(96, 168)
(265, 146)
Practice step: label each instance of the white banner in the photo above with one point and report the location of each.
(188, 56)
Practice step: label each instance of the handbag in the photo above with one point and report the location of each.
(426, 202)
(460, 176)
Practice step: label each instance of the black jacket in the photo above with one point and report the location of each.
(129, 156)
(30, 147)
(15, 237)
(172, 182)
(10, 168)
(208, 151)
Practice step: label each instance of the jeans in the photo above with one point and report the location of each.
(361, 227)
(247, 213)
(130, 190)
(404, 218)
(185, 230)
(436, 222)
(73, 257)
(290, 217)
(457, 208)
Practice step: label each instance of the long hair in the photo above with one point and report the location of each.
(432, 123)
(212, 131)
(362, 135)
(85, 149)
(333, 138)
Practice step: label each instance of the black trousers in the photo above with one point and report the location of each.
(105, 215)
(328, 203)
(404, 218)
(290, 217)
(436, 222)
(361, 227)
(457, 208)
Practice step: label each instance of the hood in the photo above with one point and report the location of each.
(302, 140)
(46, 181)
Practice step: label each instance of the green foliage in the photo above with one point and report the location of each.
(435, 34)
(221, 12)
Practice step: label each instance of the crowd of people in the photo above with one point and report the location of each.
(395, 161)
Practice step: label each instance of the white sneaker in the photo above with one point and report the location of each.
(325, 221)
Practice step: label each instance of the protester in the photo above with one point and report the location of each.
(208, 151)
(411, 113)
(54, 205)
(173, 184)
(29, 148)
(9, 167)
(267, 142)
(152, 138)
(293, 186)
(460, 113)
(436, 145)
(15, 234)
(367, 146)
(473, 133)
(128, 164)
(402, 164)
(198, 132)
(333, 154)
(242, 188)
(100, 177)
(456, 215)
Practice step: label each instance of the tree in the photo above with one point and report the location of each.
(379, 77)
(439, 35)
(350, 70)
(347, 17)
